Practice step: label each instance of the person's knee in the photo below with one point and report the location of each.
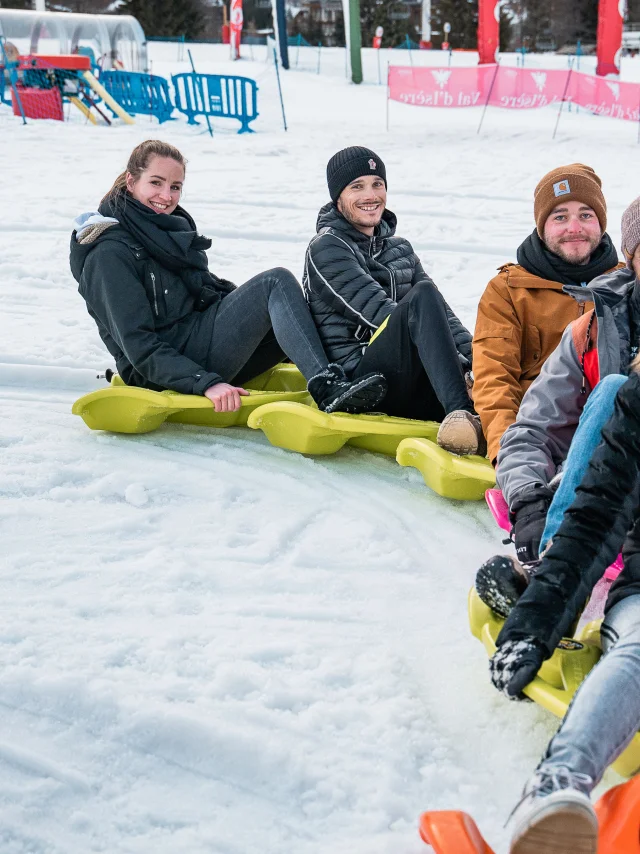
(422, 293)
(422, 300)
(623, 620)
(284, 277)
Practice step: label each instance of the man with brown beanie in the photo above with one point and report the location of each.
(561, 419)
(527, 306)
(373, 304)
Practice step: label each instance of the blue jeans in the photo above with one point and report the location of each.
(605, 712)
(258, 322)
(597, 411)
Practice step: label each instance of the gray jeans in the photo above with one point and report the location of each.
(258, 322)
(605, 712)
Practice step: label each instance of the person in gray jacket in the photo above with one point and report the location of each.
(561, 418)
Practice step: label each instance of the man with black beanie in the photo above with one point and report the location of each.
(377, 310)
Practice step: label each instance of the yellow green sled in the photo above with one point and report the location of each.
(279, 405)
(126, 409)
(463, 478)
(560, 677)
(306, 430)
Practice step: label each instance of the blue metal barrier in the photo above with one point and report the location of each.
(139, 94)
(217, 95)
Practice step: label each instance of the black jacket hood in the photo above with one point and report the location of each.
(79, 252)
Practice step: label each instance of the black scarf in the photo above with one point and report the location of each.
(173, 241)
(536, 259)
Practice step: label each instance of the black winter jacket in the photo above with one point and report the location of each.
(145, 314)
(353, 282)
(594, 527)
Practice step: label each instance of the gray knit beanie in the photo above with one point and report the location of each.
(349, 164)
(631, 231)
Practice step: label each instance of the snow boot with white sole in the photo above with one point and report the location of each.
(461, 433)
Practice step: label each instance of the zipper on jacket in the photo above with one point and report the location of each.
(155, 293)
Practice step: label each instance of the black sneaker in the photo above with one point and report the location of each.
(333, 392)
(502, 580)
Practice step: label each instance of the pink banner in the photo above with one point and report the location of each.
(606, 97)
(512, 88)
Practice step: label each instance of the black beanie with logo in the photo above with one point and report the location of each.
(351, 163)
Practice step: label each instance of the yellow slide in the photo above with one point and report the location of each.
(86, 112)
(99, 89)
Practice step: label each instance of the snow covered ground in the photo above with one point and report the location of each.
(209, 644)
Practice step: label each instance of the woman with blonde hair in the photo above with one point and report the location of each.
(169, 322)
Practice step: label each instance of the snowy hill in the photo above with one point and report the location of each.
(209, 644)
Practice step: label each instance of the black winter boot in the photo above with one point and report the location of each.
(502, 580)
(333, 392)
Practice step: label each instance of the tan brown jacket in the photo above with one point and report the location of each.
(521, 318)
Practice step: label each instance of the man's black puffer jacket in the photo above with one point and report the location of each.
(353, 282)
(593, 529)
(145, 314)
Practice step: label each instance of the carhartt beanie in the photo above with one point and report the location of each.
(631, 231)
(573, 183)
(349, 164)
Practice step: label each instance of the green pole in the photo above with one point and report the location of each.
(355, 40)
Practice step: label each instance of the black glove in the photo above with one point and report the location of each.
(465, 362)
(528, 516)
(514, 665)
(465, 351)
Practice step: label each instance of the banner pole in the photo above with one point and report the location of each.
(564, 95)
(275, 62)
(280, 31)
(355, 41)
(639, 120)
(486, 104)
(193, 68)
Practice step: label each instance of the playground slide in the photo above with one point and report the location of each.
(106, 97)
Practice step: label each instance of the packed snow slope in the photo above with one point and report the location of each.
(209, 644)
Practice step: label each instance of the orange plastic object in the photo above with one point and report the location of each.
(618, 811)
(452, 832)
